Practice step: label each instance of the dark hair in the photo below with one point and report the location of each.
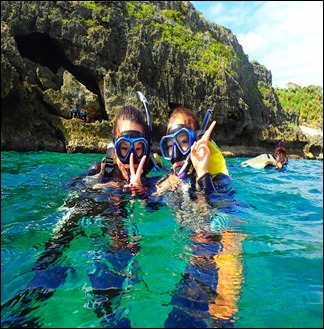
(280, 150)
(130, 113)
(187, 115)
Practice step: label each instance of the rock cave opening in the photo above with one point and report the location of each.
(41, 49)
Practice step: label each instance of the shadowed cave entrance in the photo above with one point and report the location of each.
(42, 49)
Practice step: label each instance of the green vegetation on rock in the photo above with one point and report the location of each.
(306, 101)
(91, 4)
(205, 52)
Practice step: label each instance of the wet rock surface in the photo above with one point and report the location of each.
(101, 53)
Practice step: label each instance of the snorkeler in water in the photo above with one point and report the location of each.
(192, 154)
(198, 183)
(129, 157)
(281, 156)
(128, 160)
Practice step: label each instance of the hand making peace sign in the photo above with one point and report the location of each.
(200, 152)
(135, 175)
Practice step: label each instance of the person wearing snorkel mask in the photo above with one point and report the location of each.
(131, 145)
(196, 159)
(281, 156)
(192, 154)
(127, 161)
(129, 157)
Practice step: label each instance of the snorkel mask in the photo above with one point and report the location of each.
(176, 148)
(131, 141)
(176, 145)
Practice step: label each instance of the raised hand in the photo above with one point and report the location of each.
(135, 175)
(200, 152)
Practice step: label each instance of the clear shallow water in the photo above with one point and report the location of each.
(107, 258)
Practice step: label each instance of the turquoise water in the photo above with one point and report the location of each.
(108, 258)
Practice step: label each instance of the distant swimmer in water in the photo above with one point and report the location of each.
(281, 156)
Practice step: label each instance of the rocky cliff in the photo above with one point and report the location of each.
(101, 53)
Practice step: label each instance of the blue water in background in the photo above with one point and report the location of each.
(280, 212)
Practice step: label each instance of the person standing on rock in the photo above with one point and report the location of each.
(84, 115)
(74, 113)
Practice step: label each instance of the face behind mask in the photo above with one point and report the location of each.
(131, 141)
(176, 145)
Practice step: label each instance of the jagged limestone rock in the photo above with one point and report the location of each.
(104, 52)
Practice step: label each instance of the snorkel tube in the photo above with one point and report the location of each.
(148, 116)
(149, 128)
(182, 173)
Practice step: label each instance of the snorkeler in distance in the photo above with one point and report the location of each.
(278, 161)
(281, 156)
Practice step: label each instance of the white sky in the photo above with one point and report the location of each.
(285, 36)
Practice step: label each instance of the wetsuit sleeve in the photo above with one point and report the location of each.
(98, 168)
(221, 183)
(205, 182)
(92, 170)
